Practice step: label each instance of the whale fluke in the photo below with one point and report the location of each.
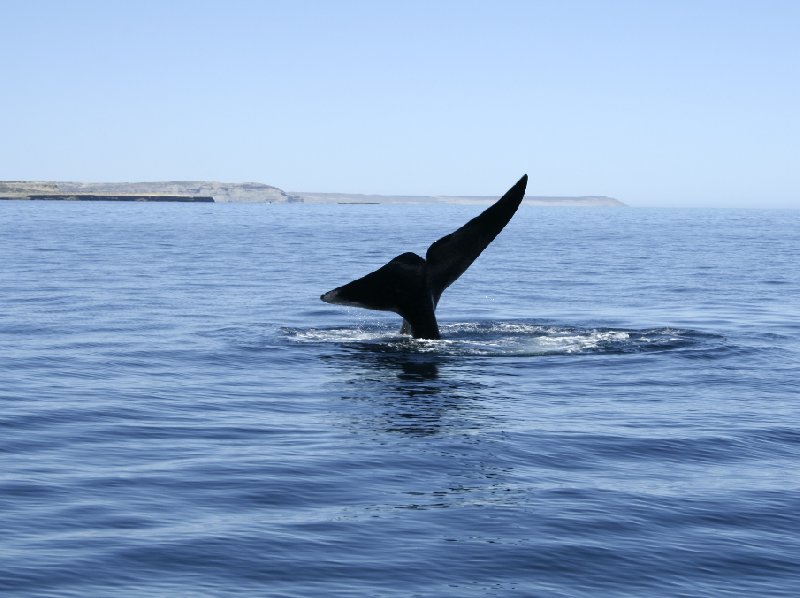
(411, 286)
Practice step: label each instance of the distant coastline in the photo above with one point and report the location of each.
(213, 191)
(533, 200)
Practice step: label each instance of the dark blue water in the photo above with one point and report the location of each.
(613, 410)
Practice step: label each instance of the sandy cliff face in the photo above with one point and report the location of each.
(25, 188)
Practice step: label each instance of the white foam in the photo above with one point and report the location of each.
(340, 335)
(489, 339)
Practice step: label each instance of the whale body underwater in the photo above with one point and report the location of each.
(411, 286)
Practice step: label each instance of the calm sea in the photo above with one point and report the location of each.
(614, 409)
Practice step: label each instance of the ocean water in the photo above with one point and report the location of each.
(613, 409)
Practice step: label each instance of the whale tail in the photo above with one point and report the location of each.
(411, 286)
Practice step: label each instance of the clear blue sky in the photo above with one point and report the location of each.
(673, 103)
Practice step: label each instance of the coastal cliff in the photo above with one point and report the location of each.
(145, 191)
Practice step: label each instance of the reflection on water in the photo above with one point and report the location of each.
(420, 387)
(419, 370)
(416, 394)
(432, 410)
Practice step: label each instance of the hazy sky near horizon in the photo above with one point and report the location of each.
(662, 103)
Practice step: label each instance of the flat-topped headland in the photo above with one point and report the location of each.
(184, 191)
(213, 191)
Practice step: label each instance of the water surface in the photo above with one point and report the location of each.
(612, 410)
